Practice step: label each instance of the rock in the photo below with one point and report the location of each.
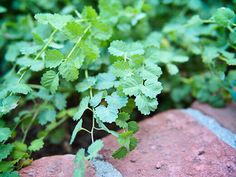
(53, 166)
(225, 116)
(183, 148)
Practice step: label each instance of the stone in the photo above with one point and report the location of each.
(225, 116)
(53, 166)
(183, 148)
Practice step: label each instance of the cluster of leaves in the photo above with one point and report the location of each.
(115, 56)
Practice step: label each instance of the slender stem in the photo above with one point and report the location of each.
(40, 53)
(86, 130)
(46, 45)
(125, 58)
(230, 29)
(86, 73)
(30, 124)
(77, 43)
(100, 129)
(35, 86)
(90, 109)
(92, 130)
(78, 14)
(93, 120)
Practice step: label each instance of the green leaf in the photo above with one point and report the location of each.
(68, 71)
(232, 37)
(5, 150)
(20, 88)
(105, 81)
(90, 50)
(231, 61)
(194, 21)
(122, 49)
(53, 58)
(209, 53)
(5, 133)
(106, 114)
(3, 9)
(133, 126)
(121, 69)
(122, 119)
(153, 40)
(224, 16)
(101, 31)
(120, 153)
(19, 146)
(133, 143)
(12, 52)
(96, 99)
(150, 70)
(34, 65)
(89, 13)
(10, 174)
(36, 145)
(124, 138)
(82, 107)
(50, 80)
(94, 148)
(48, 114)
(79, 163)
(86, 84)
(172, 68)
(56, 20)
(180, 58)
(110, 10)
(116, 101)
(151, 88)
(6, 166)
(146, 105)
(43, 94)
(59, 101)
(131, 85)
(73, 30)
(8, 103)
(76, 130)
(28, 50)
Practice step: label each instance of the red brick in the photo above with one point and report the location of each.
(53, 166)
(172, 144)
(225, 116)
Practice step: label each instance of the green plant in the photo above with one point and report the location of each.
(108, 60)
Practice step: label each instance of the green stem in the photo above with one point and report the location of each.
(93, 120)
(125, 58)
(92, 130)
(46, 45)
(100, 129)
(35, 86)
(86, 130)
(30, 124)
(77, 43)
(40, 53)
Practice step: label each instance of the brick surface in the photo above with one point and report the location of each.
(171, 144)
(225, 116)
(53, 166)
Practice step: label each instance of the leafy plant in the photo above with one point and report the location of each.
(109, 59)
